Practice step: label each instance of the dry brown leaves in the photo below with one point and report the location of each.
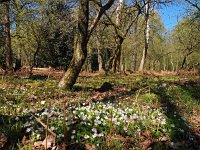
(90, 147)
(195, 121)
(3, 140)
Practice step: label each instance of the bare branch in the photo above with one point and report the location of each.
(98, 16)
(193, 4)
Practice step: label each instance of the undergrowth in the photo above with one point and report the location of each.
(135, 112)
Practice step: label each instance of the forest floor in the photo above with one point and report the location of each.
(117, 111)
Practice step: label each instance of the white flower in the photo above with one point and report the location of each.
(27, 124)
(42, 102)
(84, 117)
(29, 129)
(163, 122)
(72, 137)
(117, 123)
(86, 137)
(38, 136)
(44, 113)
(94, 135)
(125, 129)
(17, 118)
(60, 135)
(94, 130)
(74, 131)
(52, 128)
(101, 134)
(134, 116)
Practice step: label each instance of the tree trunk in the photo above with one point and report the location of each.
(119, 39)
(79, 57)
(81, 41)
(100, 60)
(146, 34)
(9, 53)
(117, 54)
(80, 48)
(185, 59)
(100, 55)
(171, 60)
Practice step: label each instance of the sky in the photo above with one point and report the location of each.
(171, 14)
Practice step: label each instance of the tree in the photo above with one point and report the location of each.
(80, 42)
(193, 9)
(146, 34)
(37, 39)
(9, 53)
(186, 38)
(57, 38)
(124, 20)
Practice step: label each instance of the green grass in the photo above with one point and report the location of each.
(140, 107)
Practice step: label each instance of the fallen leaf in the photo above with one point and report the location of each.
(163, 139)
(145, 144)
(38, 144)
(89, 147)
(25, 140)
(49, 142)
(3, 140)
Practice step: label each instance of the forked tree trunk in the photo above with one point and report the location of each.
(146, 34)
(80, 48)
(9, 53)
(81, 41)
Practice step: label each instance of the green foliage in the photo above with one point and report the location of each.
(38, 39)
(186, 39)
(150, 98)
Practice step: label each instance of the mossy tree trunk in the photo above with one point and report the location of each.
(80, 48)
(81, 41)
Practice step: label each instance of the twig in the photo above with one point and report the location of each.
(110, 133)
(45, 126)
(47, 131)
(64, 123)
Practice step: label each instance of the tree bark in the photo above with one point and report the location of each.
(146, 34)
(117, 54)
(9, 53)
(80, 53)
(185, 59)
(81, 41)
(100, 55)
(80, 48)
(100, 60)
(119, 39)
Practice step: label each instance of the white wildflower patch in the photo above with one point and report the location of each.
(42, 102)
